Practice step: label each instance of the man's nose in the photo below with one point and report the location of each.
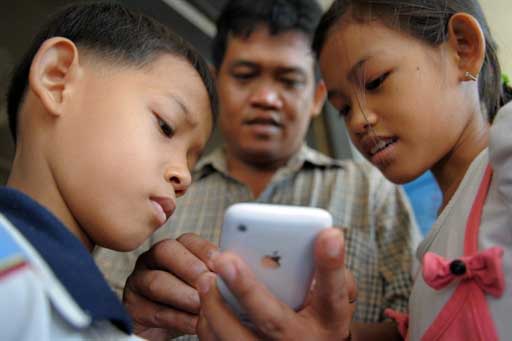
(267, 96)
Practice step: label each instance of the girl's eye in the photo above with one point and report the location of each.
(166, 129)
(376, 83)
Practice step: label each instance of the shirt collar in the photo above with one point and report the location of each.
(69, 260)
(306, 156)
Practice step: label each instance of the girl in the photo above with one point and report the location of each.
(417, 82)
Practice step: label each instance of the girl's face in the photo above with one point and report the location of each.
(402, 100)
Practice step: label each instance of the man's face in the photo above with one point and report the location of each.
(268, 95)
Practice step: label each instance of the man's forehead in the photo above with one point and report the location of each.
(288, 49)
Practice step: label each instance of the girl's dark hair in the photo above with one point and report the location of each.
(114, 33)
(427, 20)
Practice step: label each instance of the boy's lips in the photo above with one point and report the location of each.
(164, 207)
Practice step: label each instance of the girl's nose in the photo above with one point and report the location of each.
(362, 120)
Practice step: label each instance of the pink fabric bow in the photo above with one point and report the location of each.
(485, 268)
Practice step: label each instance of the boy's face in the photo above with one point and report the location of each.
(126, 144)
(267, 94)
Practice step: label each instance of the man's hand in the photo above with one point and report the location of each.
(160, 294)
(326, 316)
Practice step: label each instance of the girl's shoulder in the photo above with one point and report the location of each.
(500, 151)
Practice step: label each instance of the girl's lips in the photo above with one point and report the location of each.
(384, 155)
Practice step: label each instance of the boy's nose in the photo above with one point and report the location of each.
(180, 179)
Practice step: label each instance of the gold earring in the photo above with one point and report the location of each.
(470, 76)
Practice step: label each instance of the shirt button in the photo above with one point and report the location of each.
(457, 267)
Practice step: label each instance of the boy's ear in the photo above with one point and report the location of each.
(319, 99)
(467, 39)
(53, 70)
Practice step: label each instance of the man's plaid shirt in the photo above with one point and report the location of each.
(381, 234)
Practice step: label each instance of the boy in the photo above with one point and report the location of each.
(109, 111)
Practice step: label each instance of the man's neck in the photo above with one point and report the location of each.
(252, 175)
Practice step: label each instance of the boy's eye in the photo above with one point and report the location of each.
(376, 83)
(166, 129)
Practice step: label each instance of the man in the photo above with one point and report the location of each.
(269, 90)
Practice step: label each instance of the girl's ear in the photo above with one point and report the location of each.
(465, 36)
(52, 73)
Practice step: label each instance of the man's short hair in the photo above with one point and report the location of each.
(112, 32)
(241, 17)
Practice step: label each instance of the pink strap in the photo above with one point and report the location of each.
(484, 268)
(466, 315)
(475, 216)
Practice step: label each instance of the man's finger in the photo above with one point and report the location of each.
(201, 248)
(147, 314)
(216, 317)
(330, 297)
(203, 331)
(164, 288)
(171, 256)
(271, 316)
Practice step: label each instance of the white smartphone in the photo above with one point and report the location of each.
(276, 241)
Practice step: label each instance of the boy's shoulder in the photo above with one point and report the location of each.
(34, 303)
(12, 258)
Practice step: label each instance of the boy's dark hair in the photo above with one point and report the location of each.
(241, 17)
(428, 22)
(114, 33)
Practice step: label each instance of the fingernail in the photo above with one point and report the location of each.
(227, 271)
(212, 254)
(333, 247)
(204, 283)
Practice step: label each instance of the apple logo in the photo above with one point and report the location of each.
(271, 261)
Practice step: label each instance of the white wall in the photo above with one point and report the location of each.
(499, 13)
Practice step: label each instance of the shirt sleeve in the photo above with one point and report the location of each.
(397, 238)
(500, 151)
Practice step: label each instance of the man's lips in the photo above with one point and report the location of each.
(165, 205)
(271, 120)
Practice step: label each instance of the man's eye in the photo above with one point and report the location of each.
(344, 111)
(243, 76)
(291, 83)
(166, 129)
(376, 83)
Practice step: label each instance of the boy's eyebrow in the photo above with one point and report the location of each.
(184, 108)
